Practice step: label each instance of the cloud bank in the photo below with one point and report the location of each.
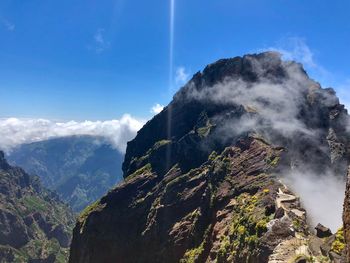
(296, 48)
(321, 195)
(15, 131)
(278, 103)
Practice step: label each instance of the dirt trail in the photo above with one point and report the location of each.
(284, 198)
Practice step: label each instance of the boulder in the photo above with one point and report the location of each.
(322, 231)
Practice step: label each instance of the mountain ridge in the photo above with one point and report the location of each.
(80, 169)
(202, 178)
(35, 226)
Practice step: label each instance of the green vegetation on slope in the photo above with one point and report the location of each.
(81, 169)
(34, 224)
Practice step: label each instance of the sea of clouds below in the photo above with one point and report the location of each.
(16, 131)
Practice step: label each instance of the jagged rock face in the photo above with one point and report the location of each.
(235, 96)
(202, 176)
(181, 211)
(346, 217)
(34, 224)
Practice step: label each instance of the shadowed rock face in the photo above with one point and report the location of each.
(34, 224)
(202, 177)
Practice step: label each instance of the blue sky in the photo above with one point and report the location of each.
(99, 59)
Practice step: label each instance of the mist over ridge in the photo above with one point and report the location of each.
(275, 107)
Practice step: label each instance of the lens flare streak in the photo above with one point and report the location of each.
(171, 42)
(171, 62)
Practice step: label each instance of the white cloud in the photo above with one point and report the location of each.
(181, 75)
(15, 131)
(315, 189)
(343, 91)
(101, 43)
(157, 108)
(296, 48)
(283, 100)
(8, 25)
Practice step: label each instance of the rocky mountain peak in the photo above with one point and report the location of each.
(215, 177)
(257, 93)
(249, 68)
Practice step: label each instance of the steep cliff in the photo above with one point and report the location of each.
(34, 225)
(205, 179)
(346, 218)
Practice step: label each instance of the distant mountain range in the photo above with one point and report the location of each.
(35, 226)
(80, 169)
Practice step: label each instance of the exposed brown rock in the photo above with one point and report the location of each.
(179, 213)
(346, 217)
(201, 187)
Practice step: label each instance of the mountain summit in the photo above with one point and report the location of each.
(217, 175)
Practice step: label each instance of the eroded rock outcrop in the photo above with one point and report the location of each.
(202, 178)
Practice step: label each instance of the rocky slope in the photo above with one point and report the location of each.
(204, 178)
(81, 169)
(34, 225)
(346, 218)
